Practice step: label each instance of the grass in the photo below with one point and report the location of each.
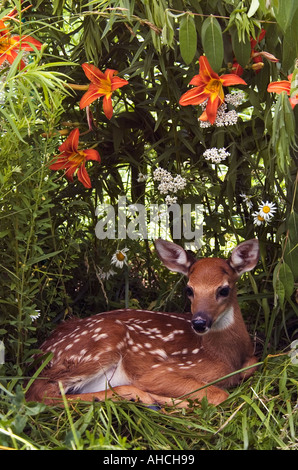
(260, 414)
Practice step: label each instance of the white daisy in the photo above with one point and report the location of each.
(247, 200)
(119, 258)
(142, 178)
(267, 209)
(106, 274)
(35, 315)
(258, 218)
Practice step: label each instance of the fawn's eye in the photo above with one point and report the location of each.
(189, 291)
(223, 291)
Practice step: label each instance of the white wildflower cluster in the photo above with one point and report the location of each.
(216, 155)
(235, 99)
(224, 117)
(170, 200)
(168, 183)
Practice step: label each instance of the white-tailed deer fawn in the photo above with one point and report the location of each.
(157, 356)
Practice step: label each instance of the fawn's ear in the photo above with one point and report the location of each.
(174, 257)
(245, 256)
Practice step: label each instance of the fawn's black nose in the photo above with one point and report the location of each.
(201, 323)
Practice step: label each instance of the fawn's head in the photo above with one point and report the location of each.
(211, 285)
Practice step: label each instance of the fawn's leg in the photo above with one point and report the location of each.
(129, 392)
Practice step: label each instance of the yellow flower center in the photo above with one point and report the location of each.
(214, 87)
(105, 87)
(5, 44)
(120, 256)
(260, 218)
(77, 158)
(266, 209)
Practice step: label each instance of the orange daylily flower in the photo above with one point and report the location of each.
(283, 85)
(102, 84)
(209, 86)
(72, 159)
(10, 46)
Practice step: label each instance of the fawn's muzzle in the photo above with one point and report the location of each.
(201, 323)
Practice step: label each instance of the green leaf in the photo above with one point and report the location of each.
(284, 12)
(291, 248)
(12, 124)
(279, 291)
(287, 278)
(188, 38)
(109, 25)
(242, 49)
(293, 227)
(283, 281)
(3, 233)
(290, 43)
(38, 259)
(253, 8)
(283, 132)
(213, 42)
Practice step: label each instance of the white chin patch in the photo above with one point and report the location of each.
(225, 320)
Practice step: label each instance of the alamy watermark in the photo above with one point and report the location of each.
(136, 221)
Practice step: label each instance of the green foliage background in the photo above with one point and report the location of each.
(50, 258)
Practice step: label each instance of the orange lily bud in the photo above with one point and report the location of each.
(257, 66)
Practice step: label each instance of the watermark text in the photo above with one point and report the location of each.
(135, 221)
